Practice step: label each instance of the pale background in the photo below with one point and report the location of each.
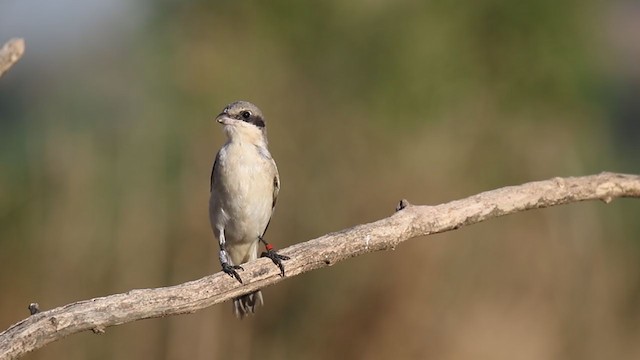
(107, 138)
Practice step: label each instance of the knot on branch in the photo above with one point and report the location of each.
(403, 204)
(34, 308)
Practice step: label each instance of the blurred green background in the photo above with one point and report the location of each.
(107, 139)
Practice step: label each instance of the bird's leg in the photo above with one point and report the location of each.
(273, 255)
(227, 266)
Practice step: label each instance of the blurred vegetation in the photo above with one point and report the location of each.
(106, 148)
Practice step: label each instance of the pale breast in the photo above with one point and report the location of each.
(247, 176)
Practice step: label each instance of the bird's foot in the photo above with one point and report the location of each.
(231, 270)
(275, 257)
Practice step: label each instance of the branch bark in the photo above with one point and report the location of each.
(10, 53)
(409, 222)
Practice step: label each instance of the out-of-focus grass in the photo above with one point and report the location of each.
(105, 165)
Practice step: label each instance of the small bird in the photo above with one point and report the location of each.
(244, 188)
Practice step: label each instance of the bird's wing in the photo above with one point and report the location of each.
(276, 187)
(276, 190)
(213, 169)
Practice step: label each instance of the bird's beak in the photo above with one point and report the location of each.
(224, 119)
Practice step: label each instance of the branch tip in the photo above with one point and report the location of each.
(10, 53)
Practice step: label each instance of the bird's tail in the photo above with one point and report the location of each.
(246, 304)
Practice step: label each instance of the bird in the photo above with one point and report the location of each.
(243, 192)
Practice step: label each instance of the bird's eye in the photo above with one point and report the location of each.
(246, 115)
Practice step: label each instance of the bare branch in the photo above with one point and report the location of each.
(10, 53)
(410, 221)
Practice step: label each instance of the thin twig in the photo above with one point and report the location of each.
(408, 222)
(10, 53)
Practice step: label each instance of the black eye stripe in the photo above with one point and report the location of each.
(244, 116)
(257, 121)
(250, 118)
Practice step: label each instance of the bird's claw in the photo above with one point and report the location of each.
(276, 258)
(231, 271)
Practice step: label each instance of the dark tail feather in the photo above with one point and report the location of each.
(246, 304)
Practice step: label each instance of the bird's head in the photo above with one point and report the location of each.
(243, 121)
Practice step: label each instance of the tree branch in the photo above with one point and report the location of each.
(409, 222)
(10, 53)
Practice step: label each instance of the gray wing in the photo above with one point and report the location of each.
(276, 190)
(213, 169)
